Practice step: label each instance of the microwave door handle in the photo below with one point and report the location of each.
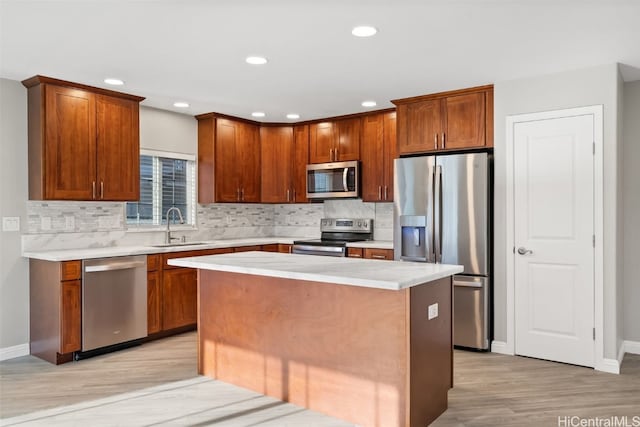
(344, 179)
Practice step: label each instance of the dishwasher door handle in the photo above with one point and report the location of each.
(113, 266)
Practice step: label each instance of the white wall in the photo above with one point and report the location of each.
(167, 131)
(592, 86)
(14, 270)
(631, 194)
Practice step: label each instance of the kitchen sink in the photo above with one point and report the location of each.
(168, 245)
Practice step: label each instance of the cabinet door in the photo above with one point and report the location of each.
(300, 161)
(321, 142)
(421, 124)
(179, 297)
(373, 176)
(348, 140)
(390, 153)
(276, 145)
(70, 314)
(270, 248)
(206, 160)
(464, 118)
(154, 321)
(354, 252)
(226, 167)
(248, 162)
(70, 144)
(118, 149)
(284, 248)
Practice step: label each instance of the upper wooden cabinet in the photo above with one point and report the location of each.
(335, 141)
(378, 149)
(228, 160)
(284, 156)
(83, 142)
(276, 152)
(454, 120)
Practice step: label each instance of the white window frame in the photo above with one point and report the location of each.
(190, 215)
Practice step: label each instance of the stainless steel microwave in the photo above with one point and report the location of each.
(333, 180)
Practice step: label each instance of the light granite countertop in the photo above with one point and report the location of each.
(114, 251)
(391, 275)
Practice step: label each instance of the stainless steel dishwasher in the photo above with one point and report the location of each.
(114, 303)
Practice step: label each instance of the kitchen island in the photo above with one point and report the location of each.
(366, 341)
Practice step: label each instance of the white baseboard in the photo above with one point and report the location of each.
(611, 366)
(632, 347)
(500, 347)
(15, 351)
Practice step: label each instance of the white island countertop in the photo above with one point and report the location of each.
(392, 275)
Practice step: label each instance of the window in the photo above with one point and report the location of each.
(166, 180)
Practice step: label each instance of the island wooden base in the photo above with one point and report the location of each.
(367, 356)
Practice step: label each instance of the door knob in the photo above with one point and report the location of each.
(524, 251)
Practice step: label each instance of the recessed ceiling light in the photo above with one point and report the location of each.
(369, 104)
(364, 31)
(293, 116)
(256, 60)
(258, 114)
(114, 82)
(181, 104)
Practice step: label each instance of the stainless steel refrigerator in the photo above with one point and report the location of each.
(442, 215)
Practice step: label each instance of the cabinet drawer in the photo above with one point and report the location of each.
(186, 254)
(374, 253)
(270, 248)
(284, 248)
(70, 270)
(355, 252)
(247, 248)
(153, 262)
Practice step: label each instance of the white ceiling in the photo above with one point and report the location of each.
(194, 51)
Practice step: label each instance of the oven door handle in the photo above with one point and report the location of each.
(318, 248)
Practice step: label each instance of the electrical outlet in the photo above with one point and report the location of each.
(10, 223)
(433, 311)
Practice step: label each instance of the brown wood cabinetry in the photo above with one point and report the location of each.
(377, 253)
(455, 120)
(247, 248)
(334, 141)
(284, 248)
(284, 157)
(270, 248)
(378, 149)
(154, 294)
(355, 252)
(83, 142)
(55, 295)
(228, 160)
(177, 305)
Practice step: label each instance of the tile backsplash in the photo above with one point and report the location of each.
(66, 225)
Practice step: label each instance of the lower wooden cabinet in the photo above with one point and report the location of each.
(179, 298)
(55, 309)
(376, 253)
(370, 253)
(154, 317)
(284, 248)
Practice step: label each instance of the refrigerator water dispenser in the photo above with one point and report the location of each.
(414, 238)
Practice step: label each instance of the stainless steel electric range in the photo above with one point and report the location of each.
(335, 234)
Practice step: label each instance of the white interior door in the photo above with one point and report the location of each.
(553, 231)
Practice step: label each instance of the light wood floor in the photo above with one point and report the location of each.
(157, 384)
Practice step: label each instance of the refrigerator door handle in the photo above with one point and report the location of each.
(437, 215)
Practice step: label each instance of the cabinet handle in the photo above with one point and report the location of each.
(443, 140)
(435, 141)
(355, 256)
(385, 192)
(288, 193)
(238, 194)
(379, 192)
(93, 190)
(378, 256)
(294, 195)
(335, 152)
(242, 194)
(101, 189)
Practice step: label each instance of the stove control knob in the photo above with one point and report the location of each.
(359, 223)
(366, 224)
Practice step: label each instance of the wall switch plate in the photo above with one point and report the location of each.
(433, 311)
(10, 223)
(45, 223)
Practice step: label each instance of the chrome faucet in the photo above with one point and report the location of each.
(167, 236)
